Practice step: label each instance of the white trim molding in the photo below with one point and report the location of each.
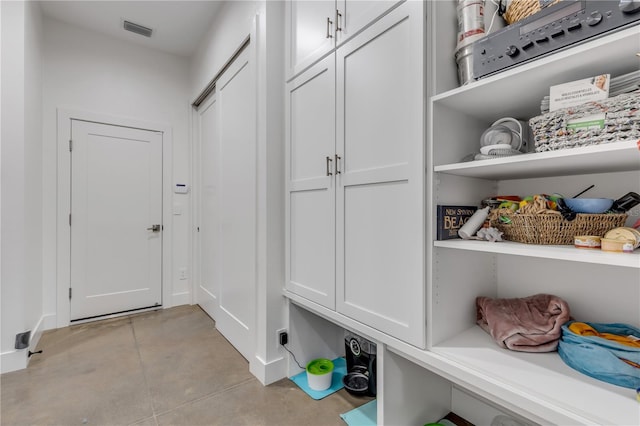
(269, 372)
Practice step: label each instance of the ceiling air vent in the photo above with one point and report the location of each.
(138, 29)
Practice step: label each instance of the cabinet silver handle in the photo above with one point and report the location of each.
(329, 160)
(338, 158)
(154, 228)
(338, 16)
(328, 28)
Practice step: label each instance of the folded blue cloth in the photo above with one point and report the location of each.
(601, 358)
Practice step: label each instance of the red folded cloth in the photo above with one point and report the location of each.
(529, 324)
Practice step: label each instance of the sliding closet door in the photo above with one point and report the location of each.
(209, 283)
(232, 244)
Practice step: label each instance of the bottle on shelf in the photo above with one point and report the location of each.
(474, 223)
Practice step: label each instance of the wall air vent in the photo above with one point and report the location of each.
(138, 29)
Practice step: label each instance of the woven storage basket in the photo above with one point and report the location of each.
(621, 123)
(554, 229)
(517, 10)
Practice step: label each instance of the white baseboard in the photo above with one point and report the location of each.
(178, 299)
(49, 322)
(18, 359)
(268, 372)
(36, 334)
(13, 360)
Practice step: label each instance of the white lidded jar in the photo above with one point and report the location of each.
(319, 374)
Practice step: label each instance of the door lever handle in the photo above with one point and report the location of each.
(154, 228)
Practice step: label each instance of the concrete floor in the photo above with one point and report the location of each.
(168, 367)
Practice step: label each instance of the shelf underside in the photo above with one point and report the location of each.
(567, 253)
(611, 157)
(501, 95)
(545, 377)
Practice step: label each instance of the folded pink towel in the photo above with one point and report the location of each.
(529, 324)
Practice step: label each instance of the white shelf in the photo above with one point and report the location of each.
(540, 387)
(500, 95)
(567, 253)
(545, 377)
(611, 157)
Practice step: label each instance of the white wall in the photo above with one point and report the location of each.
(231, 25)
(264, 21)
(1, 281)
(21, 178)
(13, 184)
(86, 71)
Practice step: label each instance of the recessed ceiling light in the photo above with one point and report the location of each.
(137, 28)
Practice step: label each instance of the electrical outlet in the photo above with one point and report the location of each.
(283, 337)
(182, 273)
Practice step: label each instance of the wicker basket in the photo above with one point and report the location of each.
(621, 123)
(554, 229)
(517, 10)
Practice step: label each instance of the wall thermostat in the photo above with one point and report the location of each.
(181, 188)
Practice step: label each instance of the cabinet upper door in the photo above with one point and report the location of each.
(380, 191)
(354, 15)
(310, 32)
(310, 159)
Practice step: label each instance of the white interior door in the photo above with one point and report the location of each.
(237, 173)
(116, 197)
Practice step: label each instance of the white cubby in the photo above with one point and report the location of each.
(311, 337)
(415, 395)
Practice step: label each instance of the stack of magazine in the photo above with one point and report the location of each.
(625, 83)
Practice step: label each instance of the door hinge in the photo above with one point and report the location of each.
(70, 145)
(69, 219)
(70, 292)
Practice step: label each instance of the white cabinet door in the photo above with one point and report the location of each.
(380, 192)
(310, 112)
(353, 15)
(315, 26)
(310, 32)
